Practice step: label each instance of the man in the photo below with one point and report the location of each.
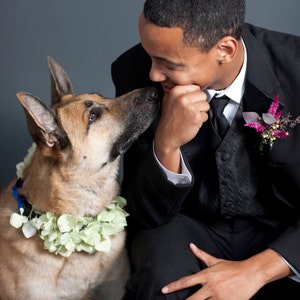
(213, 217)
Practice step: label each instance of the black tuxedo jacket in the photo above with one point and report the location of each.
(273, 68)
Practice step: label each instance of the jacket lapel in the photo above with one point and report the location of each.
(259, 77)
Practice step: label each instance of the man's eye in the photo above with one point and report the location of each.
(171, 67)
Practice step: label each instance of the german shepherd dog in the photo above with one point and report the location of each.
(71, 178)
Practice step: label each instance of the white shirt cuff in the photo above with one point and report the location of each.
(184, 177)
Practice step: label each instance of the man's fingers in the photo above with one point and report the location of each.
(203, 256)
(180, 284)
(191, 280)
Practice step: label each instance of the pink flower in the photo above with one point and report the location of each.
(271, 125)
(274, 107)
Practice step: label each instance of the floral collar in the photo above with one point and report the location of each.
(67, 234)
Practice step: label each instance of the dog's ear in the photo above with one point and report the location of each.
(60, 82)
(42, 124)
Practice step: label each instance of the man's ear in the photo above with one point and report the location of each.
(227, 48)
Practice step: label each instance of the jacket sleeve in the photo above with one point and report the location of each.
(285, 177)
(152, 199)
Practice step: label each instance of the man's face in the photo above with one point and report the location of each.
(173, 63)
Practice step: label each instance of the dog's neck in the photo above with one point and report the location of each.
(85, 233)
(61, 190)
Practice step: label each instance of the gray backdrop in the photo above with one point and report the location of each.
(84, 36)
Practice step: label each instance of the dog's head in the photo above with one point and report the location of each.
(86, 129)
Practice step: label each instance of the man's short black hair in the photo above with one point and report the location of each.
(204, 22)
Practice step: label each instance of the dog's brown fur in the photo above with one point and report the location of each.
(74, 170)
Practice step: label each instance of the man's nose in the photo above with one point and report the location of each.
(156, 74)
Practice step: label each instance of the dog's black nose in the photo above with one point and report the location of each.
(151, 94)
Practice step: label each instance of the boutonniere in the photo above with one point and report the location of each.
(272, 125)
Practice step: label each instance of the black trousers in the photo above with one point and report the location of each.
(162, 255)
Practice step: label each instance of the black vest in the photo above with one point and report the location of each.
(239, 180)
(230, 180)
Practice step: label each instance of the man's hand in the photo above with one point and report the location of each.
(184, 109)
(231, 280)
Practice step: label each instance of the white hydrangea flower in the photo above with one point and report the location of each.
(22, 165)
(18, 220)
(67, 234)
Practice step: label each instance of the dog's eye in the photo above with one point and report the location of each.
(95, 113)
